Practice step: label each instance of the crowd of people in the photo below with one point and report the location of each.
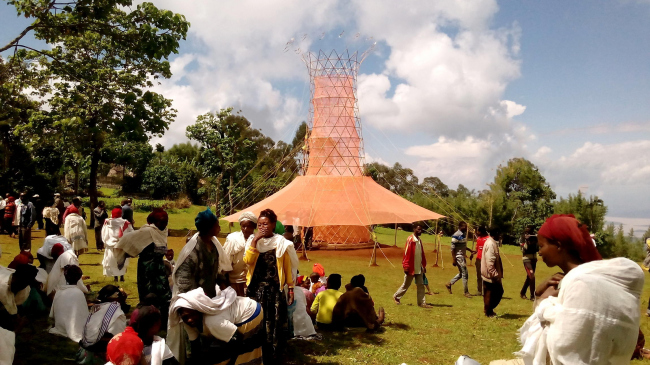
(240, 302)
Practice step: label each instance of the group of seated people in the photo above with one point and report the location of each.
(334, 310)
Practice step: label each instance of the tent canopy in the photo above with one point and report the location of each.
(314, 201)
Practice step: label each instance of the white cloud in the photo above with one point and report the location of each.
(542, 152)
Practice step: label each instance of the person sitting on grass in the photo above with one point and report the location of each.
(316, 286)
(14, 290)
(588, 313)
(325, 301)
(355, 308)
(233, 326)
(56, 277)
(125, 348)
(105, 320)
(69, 308)
(147, 325)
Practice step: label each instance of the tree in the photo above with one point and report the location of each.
(590, 211)
(229, 150)
(185, 151)
(434, 186)
(103, 59)
(161, 181)
(522, 197)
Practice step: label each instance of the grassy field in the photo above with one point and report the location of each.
(412, 335)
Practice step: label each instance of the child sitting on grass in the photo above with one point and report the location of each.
(325, 301)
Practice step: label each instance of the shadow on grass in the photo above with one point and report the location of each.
(440, 305)
(513, 316)
(305, 352)
(34, 345)
(90, 264)
(397, 326)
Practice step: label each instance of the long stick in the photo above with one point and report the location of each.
(395, 235)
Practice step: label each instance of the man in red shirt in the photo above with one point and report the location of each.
(480, 241)
(415, 265)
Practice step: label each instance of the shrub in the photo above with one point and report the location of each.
(161, 181)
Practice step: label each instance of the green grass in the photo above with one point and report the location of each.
(411, 335)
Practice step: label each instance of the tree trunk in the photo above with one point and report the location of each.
(230, 196)
(76, 179)
(92, 190)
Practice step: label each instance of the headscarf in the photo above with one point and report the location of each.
(11, 199)
(157, 215)
(248, 216)
(57, 250)
(319, 269)
(279, 228)
(125, 348)
(205, 220)
(300, 280)
(23, 258)
(566, 229)
(73, 209)
(116, 213)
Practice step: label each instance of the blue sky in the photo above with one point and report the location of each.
(453, 89)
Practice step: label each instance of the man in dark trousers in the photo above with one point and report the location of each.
(27, 219)
(529, 249)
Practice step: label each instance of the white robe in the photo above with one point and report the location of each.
(115, 324)
(159, 352)
(112, 232)
(8, 299)
(56, 278)
(235, 247)
(302, 325)
(594, 319)
(7, 346)
(70, 312)
(76, 231)
(49, 242)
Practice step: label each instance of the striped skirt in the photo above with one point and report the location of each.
(250, 353)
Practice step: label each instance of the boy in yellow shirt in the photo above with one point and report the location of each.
(325, 301)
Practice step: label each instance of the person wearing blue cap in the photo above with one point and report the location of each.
(198, 264)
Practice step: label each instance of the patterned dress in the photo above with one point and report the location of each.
(265, 289)
(199, 270)
(152, 275)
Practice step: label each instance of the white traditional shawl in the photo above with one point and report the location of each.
(224, 260)
(56, 278)
(594, 320)
(70, 312)
(76, 231)
(103, 318)
(52, 214)
(112, 232)
(135, 242)
(197, 300)
(7, 346)
(235, 243)
(50, 241)
(281, 246)
(8, 299)
(159, 351)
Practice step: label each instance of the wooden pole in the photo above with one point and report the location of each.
(436, 245)
(374, 255)
(304, 257)
(395, 235)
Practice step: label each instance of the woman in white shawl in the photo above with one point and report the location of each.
(75, 231)
(589, 313)
(56, 277)
(235, 246)
(150, 244)
(235, 322)
(69, 308)
(44, 254)
(272, 266)
(112, 231)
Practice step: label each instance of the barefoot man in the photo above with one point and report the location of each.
(414, 264)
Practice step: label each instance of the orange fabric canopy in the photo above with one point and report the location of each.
(314, 201)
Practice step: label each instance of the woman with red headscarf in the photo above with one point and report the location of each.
(76, 231)
(589, 312)
(125, 348)
(112, 231)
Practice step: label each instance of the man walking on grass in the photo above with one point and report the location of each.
(458, 248)
(415, 266)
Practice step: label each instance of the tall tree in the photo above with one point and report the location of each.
(103, 60)
(590, 211)
(229, 149)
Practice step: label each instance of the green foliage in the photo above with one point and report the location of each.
(590, 211)
(185, 151)
(161, 181)
(102, 60)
